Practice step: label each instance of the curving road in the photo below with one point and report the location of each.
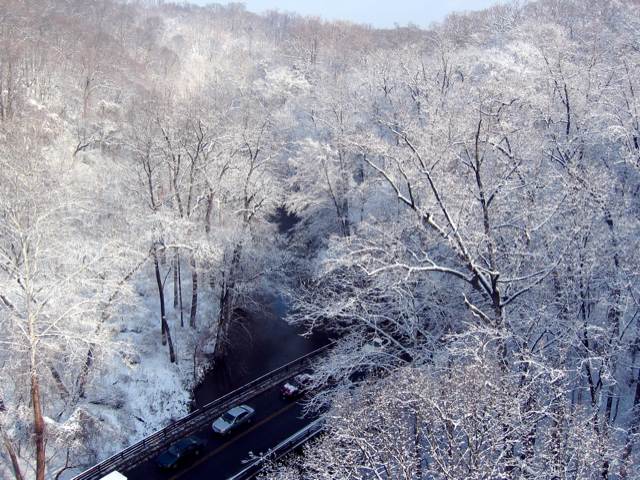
(275, 420)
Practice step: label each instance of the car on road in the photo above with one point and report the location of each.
(296, 386)
(232, 419)
(180, 453)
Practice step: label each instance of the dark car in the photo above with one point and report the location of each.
(296, 387)
(180, 453)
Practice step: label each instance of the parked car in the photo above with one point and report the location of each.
(296, 387)
(232, 419)
(180, 453)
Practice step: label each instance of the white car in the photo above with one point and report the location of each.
(232, 419)
(114, 476)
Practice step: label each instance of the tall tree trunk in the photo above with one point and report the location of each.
(194, 293)
(557, 435)
(224, 318)
(166, 334)
(64, 392)
(344, 218)
(84, 372)
(180, 305)
(632, 432)
(613, 315)
(38, 423)
(161, 297)
(227, 303)
(38, 419)
(176, 266)
(17, 473)
(207, 216)
(417, 446)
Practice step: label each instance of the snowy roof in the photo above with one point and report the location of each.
(114, 476)
(235, 411)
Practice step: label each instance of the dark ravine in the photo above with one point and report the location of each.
(259, 343)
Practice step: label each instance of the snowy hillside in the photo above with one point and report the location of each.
(466, 225)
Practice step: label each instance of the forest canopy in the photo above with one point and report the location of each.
(467, 206)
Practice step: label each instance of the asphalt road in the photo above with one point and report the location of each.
(275, 420)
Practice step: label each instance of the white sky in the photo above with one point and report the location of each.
(380, 13)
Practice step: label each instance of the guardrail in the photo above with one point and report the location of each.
(294, 441)
(159, 441)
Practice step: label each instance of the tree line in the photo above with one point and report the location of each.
(467, 205)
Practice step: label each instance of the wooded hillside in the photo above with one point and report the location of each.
(468, 205)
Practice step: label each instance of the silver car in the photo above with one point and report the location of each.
(232, 419)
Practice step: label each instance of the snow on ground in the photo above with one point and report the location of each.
(133, 389)
(138, 390)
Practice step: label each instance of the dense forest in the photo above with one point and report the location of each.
(468, 207)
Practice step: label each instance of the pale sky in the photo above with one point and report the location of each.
(380, 13)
